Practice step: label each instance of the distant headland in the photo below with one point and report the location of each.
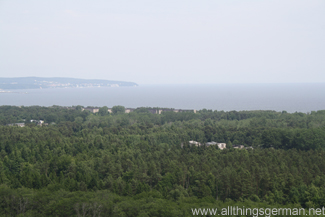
(39, 83)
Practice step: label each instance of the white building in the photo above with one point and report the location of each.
(194, 143)
(221, 145)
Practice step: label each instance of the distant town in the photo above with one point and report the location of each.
(128, 110)
(40, 83)
(110, 110)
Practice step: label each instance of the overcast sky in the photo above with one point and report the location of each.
(168, 41)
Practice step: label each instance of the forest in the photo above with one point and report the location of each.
(139, 164)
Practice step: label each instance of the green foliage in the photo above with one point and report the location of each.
(103, 111)
(133, 164)
(118, 109)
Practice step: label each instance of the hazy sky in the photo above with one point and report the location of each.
(168, 41)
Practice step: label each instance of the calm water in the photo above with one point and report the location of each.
(289, 97)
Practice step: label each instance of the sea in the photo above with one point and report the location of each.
(278, 97)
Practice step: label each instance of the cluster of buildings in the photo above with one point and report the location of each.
(91, 109)
(17, 124)
(220, 145)
(151, 110)
(38, 122)
(242, 147)
(198, 144)
(56, 84)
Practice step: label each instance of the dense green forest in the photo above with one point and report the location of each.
(103, 164)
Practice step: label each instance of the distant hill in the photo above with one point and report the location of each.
(38, 82)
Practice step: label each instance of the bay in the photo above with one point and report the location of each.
(278, 97)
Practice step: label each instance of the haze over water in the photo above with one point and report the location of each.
(278, 97)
